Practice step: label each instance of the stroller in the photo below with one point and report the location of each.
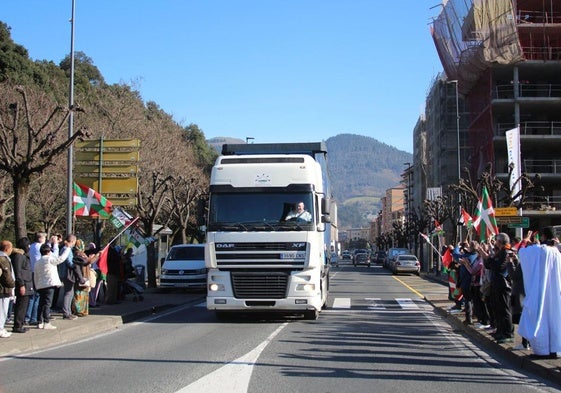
(129, 286)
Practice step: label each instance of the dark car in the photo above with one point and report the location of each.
(361, 258)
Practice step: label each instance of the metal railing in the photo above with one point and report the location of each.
(542, 166)
(537, 17)
(543, 203)
(531, 128)
(528, 90)
(542, 52)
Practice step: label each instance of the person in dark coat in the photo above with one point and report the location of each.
(114, 272)
(501, 289)
(24, 282)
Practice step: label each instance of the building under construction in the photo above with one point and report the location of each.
(505, 58)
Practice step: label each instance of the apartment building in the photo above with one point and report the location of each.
(503, 58)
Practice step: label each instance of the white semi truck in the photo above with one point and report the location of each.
(261, 254)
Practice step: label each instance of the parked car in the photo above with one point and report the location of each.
(361, 258)
(392, 253)
(184, 267)
(406, 263)
(379, 256)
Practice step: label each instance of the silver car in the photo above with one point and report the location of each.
(406, 263)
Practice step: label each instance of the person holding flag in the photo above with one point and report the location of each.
(501, 289)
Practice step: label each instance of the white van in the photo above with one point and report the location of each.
(184, 267)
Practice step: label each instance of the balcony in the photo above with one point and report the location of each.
(542, 166)
(532, 128)
(527, 90)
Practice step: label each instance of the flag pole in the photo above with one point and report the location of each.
(429, 242)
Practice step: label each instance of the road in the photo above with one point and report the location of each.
(376, 335)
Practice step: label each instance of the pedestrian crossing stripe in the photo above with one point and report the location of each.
(377, 305)
(342, 302)
(406, 303)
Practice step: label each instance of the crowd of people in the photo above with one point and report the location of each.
(504, 284)
(34, 275)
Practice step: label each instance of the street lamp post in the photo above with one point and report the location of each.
(407, 203)
(69, 189)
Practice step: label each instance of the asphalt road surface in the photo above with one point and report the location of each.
(377, 334)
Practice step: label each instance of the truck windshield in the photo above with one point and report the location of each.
(261, 211)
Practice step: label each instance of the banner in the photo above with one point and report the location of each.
(514, 158)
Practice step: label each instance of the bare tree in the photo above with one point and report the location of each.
(151, 201)
(31, 136)
(47, 205)
(183, 202)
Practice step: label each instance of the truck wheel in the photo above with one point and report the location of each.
(311, 315)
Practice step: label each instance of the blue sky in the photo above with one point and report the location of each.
(276, 71)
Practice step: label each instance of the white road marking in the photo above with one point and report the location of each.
(342, 302)
(407, 304)
(233, 377)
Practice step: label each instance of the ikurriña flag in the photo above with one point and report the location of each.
(485, 223)
(89, 203)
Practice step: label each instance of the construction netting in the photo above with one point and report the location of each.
(471, 34)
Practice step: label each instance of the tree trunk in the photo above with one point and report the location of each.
(21, 188)
(151, 264)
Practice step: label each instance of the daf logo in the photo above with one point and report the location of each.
(225, 245)
(298, 245)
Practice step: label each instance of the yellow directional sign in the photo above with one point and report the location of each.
(127, 185)
(123, 201)
(505, 211)
(94, 169)
(131, 156)
(108, 143)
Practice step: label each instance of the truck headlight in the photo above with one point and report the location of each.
(306, 287)
(214, 287)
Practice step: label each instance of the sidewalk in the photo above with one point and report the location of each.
(549, 369)
(100, 319)
(110, 317)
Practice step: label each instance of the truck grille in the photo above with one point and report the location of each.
(259, 285)
(290, 255)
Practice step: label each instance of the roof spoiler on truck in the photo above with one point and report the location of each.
(311, 148)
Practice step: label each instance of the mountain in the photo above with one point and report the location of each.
(220, 140)
(361, 170)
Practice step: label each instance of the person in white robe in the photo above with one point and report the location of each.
(541, 314)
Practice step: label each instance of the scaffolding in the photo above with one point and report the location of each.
(471, 35)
